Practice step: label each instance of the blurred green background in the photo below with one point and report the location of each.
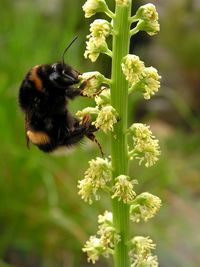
(43, 221)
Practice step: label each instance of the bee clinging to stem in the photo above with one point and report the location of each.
(43, 97)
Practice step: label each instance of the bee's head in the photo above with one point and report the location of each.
(63, 75)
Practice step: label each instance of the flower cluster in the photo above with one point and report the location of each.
(123, 189)
(94, 248)
(148, 19)
(92, 82)
(103, 99)
(146, 147)
(106, 115)
(144, 207)
(132, 68)
(95, 46)
(106, 230)
(140, 77)
(104, 243)
(91, 7)
(149, 82)
(141, 252)
(96, 177)
(100, 29)
(106, 118)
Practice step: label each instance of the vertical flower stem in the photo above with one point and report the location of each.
(119, 100)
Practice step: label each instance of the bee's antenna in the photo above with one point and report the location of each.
(63, 62)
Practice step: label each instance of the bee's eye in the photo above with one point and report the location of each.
(68, 76)
(64, 73)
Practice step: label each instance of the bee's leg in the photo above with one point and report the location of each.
(86, 120)
(82, 87)
(71, 92)
(75, 135)
(91, 128)
(93, 138)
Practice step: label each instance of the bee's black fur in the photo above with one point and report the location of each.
(43, 97)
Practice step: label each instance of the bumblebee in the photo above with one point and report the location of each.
(43, 97)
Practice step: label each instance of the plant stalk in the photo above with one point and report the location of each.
(119, 153)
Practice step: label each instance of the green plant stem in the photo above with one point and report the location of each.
(119, 100)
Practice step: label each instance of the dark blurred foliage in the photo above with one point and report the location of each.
(43, 220)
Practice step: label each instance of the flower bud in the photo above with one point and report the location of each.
(151, 27)
(142, 245)
(93, 81)
(95, 46)
(149, 82)
(103, 242)
(148, 19)
(96, 176)
(146, 147)
(123, 189)
(145, 207)
(91, 7)
(100, 28)
(132, 68)
(141, 252)
(107, 232)
(103, 99)
(106, 118)
(147, 12)
(93, 248)
(87, 190)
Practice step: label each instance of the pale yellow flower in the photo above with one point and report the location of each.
(93, 81)
(148, 19)
(145, 207)
(91, 7)
(100, 28)
(123, 189)
(132, 68)
(146, 146)
(93, 247)
(95, 46)
(103, 99)
(96, 177)
(106, 118)
(141, 252)
(150, 82)
(147, 12)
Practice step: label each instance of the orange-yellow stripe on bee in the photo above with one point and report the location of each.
(38, 138)
(35, 78)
